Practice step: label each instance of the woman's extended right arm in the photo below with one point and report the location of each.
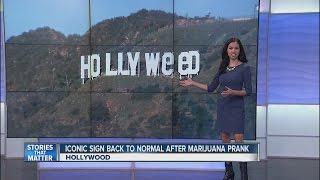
(190, 82)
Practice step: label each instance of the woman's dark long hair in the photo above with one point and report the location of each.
(225, 58)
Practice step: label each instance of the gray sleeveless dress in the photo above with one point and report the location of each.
(230, 110)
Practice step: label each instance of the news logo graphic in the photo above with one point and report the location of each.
(142, 152)
(40, 152)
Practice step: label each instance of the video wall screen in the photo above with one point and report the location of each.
(111, 68)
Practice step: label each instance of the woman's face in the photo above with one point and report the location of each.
(233, 50)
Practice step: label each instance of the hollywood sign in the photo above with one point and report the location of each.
(188, 64)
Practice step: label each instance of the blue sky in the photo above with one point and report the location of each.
(71, 16)
(66, 16)
(222, 8)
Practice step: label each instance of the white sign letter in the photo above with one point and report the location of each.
(183, 61)
(194, 55)
(165, 63)
(152, 63)
(108, 64)
(133, 62)
(121, 71)
(85, 67)
(95, 65)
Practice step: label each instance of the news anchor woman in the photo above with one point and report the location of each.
(233, 81)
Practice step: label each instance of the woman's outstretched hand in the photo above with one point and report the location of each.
(187, 82)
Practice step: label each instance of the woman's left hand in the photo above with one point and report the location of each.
(227, 92)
